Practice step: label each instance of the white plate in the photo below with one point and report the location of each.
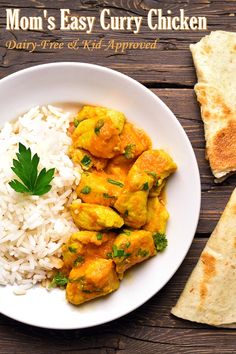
(86, 83)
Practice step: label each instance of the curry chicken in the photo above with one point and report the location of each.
(120, 210)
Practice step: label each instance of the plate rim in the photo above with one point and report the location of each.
(196, 174)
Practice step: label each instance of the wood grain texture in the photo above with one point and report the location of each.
(170, 64)
(151, 328)
(214, 196)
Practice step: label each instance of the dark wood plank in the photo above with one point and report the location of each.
(214, 197)
(150, 329)
(152, 67)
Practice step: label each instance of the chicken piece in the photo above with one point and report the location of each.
(94, 278)
(94, 217)
(138, 179)
(96, 188)
(86, 160)
(133, 141)
(119, 167)
(86, 244)
(157, 164)
(147, 173)
(133, 207)
(157, 216)
(132, 247)
(98, 131)
(96, 112)
(99, 136)
(132, 202)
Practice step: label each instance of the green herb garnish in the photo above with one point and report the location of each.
(107, 196)
(128, 244)
(126, 213)
(143, 253)
(126, 232)
(72, 249)
(119, 253)
(86, 161)
(145, 186)
(98, 126)
(154, 175)
(99, 236)
(26, 168)
(59, 280)
(76, 122)
(86, 190)
(116, 183)
(160, 241)
(78, 260)
(86, 291)
(109, 255)
(129, 153)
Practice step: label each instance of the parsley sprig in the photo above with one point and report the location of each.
(25, 167)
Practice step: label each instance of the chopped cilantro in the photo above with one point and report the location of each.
(86, 190)
(107, 196)
(154, 175)
(129, 151)
(145, 186)
(128, 244)
(99, 236)
(160, 241)
(126, 213)
(126, 232)
(109, 255)
(76, 122)
(98, 126)
(116, 183)
(119, 253)
(143, 253)
(59, 280)
(86, 161)
(78, 260)
(72, 249)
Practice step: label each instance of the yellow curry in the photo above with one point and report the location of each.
(120, 214)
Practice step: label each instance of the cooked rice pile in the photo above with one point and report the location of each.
(33, 228)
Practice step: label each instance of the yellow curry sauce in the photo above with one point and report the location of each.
(119, 211)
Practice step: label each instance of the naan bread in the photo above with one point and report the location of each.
(210, 293)
(215, 61)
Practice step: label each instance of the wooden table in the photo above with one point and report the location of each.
(168, 71)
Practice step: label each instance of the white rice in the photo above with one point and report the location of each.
(33, 228)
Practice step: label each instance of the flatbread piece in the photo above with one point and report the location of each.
(210, 293)
(214, 58)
